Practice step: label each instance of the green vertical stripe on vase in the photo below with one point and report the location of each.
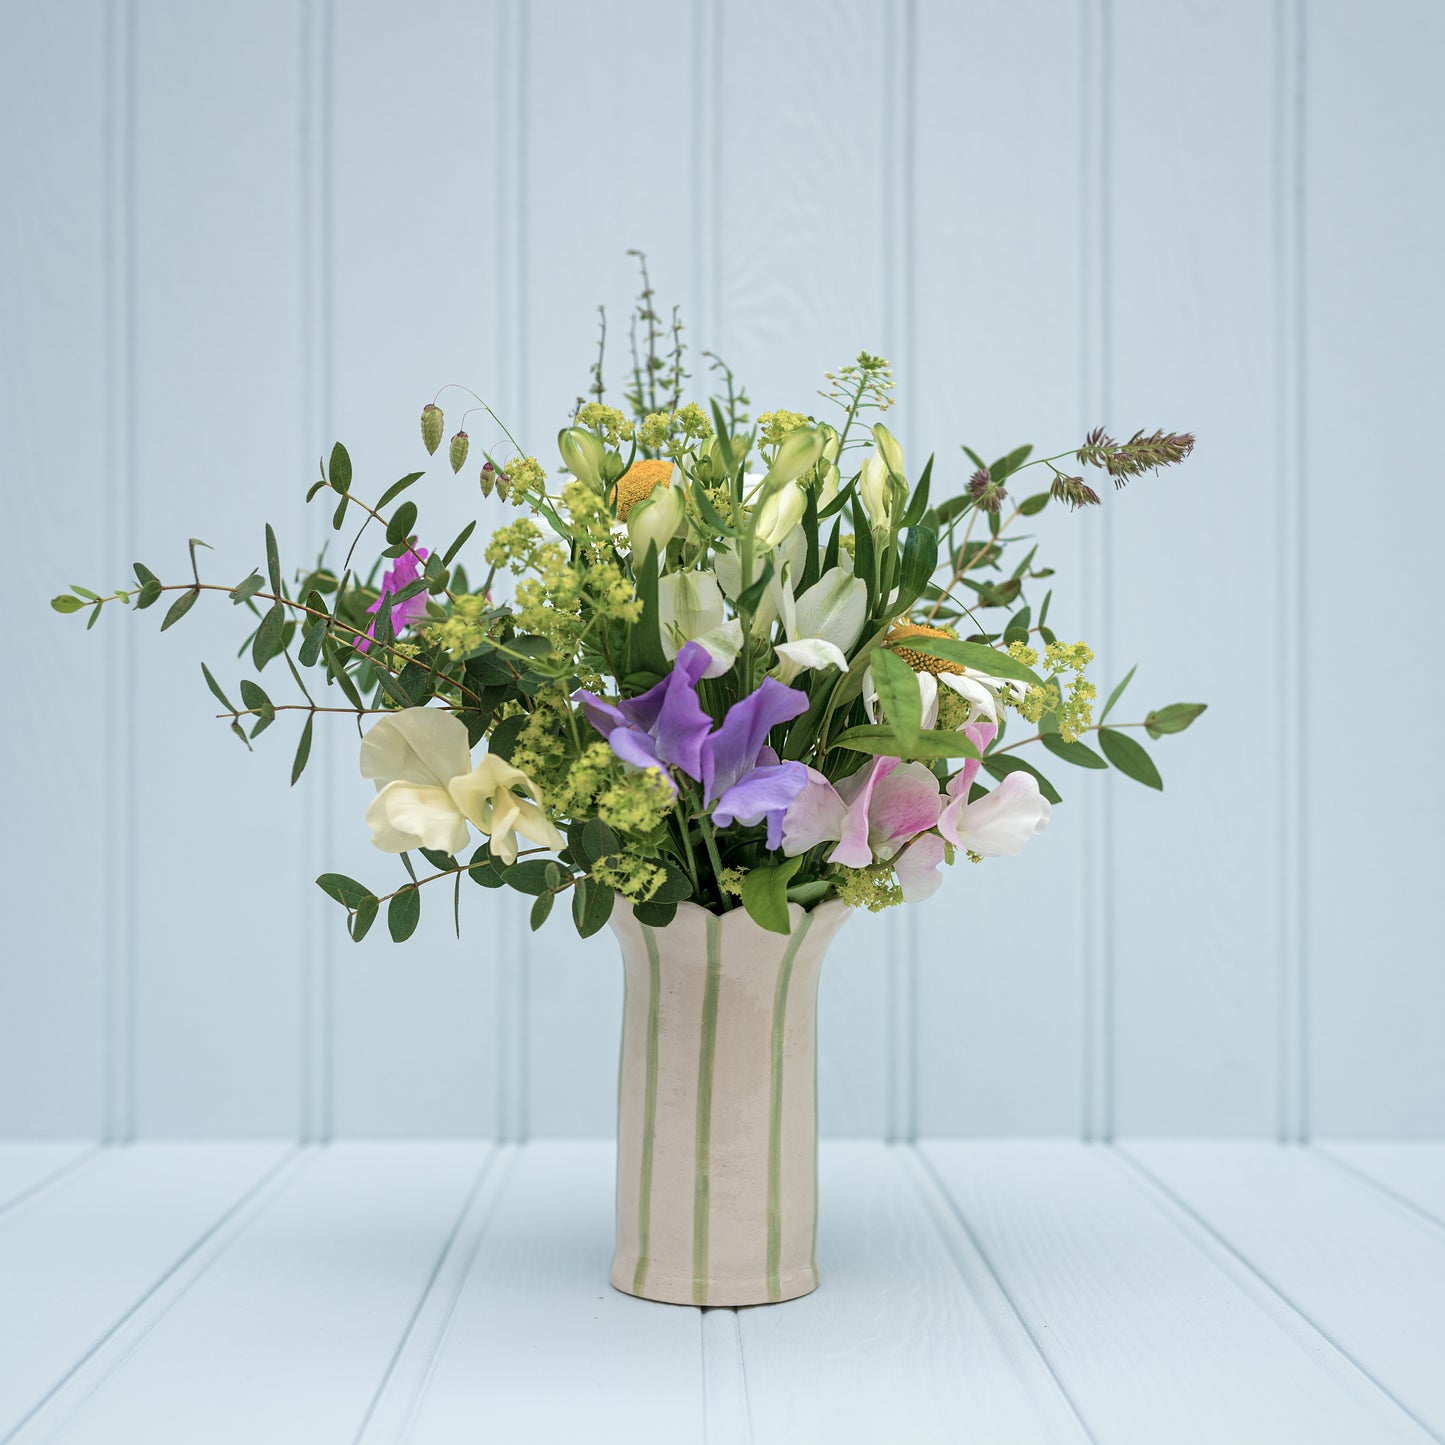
(649, 1111)
(814, 1257)
(775, 1110)
(707, 1051)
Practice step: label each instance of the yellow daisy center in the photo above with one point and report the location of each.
(639, 481)
(921, 661)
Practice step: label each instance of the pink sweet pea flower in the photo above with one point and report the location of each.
(1000, 822)
(874, 815)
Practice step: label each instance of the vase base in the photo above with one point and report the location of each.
(731, 1293)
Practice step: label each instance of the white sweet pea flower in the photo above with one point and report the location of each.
(427, 790)
(690, 609)
(822, 623)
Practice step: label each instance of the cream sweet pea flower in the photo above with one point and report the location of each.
(427, 790)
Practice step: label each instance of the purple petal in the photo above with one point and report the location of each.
(762, 793)
(602, 715)
(733, 749)
(635, 747)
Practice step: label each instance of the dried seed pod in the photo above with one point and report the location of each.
(459, 451)
(504, 485)
(432, 423)
(488, 478)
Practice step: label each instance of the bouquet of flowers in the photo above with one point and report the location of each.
(740, 661)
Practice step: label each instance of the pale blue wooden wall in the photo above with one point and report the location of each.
(230, 234)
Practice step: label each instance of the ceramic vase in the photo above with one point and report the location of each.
(717, 1106)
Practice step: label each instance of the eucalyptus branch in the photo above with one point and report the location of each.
(1039, 737)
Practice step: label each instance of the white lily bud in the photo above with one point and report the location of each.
(779, 514)
(797, 451)
(889, 449)
(582, 454)
(875, 491)
(831, 441)
(656, 519)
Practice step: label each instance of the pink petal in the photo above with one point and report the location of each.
(904, 804)
(854, 849)
(814, 816)
(917, 867)
(1001, 823)
(980, 734)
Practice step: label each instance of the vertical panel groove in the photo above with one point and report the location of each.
(898, 258)
(1291, 802)
(512, 362)
(317, 965)
(1096, 388)
(119, 1105)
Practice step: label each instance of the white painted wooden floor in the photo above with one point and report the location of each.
(972, 1292)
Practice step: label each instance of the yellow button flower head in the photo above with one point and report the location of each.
(921, 661)
(639, 481)
(979, 689)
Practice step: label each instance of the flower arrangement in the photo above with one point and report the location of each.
(743, 662)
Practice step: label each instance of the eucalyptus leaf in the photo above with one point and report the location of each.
(303, 749)
(343, 889)
(181, 606)
(899, 693)
(1130, 758)
(1075, 752)
(1118, 691)
(883, 742)
(1174, 718)
(403, 913)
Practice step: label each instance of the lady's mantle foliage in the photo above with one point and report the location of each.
(733, 661)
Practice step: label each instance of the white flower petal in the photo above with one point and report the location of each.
(723, 645)
(416, 815)
(834, 607)
(809, 652)
(416, 745)
(688, 605)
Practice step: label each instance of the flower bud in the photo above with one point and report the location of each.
(583, 455)
(488, 478)
(779, 514)
(831, 441)
(889, 449)
(797, 451)
(432, 422)
(458, 456)
(874, 491)
(656, 519)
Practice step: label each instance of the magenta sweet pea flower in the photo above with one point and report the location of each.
(402, 573)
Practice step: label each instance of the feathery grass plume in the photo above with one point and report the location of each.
(1073, 490)
(986, 493)
(1137, 455)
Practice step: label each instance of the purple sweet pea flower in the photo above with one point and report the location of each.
(662, 728)
(402, 573)
(741, 776)
(742, 779)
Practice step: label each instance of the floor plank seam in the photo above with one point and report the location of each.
(489, 1164)
(223, 1232)
(1193, 1225)
(13, 1206)
(1416, 1213)
(393, 1411)
(727, 1416)
(935, 1195)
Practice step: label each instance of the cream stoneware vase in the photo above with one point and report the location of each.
(717, 1106)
